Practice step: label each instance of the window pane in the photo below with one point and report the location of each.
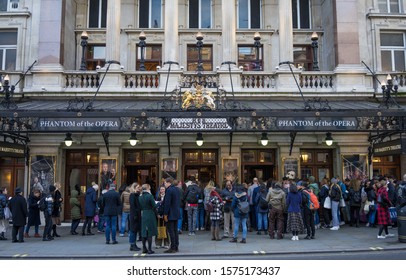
(104, 14)
(94, 13)
(391, 39)
(99, 52)
(193, 13)
(8, 38)
(11, 60)
(153, 52)
(386, 61)
(304, 14)
(205, 14)
(399, 61)
(156, 14)
(255, 13)
(143, 14)
(246, 53)
(3, 5)
(294, 13)
(243, 14)
(394, 6)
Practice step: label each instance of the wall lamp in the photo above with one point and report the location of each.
(199, 139)
(264, 139)
(329, 140)
(133, 139)
(68, 139)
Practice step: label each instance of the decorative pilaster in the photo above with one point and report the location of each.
(229, 46)
(113, 32)
(285, 32)
(171, 52)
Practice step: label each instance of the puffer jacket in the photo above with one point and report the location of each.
(277, 198)
(125, 201)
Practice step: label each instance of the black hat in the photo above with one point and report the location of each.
(52, 188)
(18, 190)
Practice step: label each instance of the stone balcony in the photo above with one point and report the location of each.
(249, 85)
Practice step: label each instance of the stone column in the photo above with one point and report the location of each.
(171, 22)
(113, 32)
(285, 32)
(229, 46)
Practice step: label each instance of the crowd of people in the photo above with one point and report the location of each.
(273, 208)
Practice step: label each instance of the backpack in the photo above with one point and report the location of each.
(312, 201)
(192, 196)
(262, 203)
(356, 197)
(243, 207)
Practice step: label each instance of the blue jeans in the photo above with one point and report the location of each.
(124, 219)
(191, 218)
(36, 227)
(262, 219)
(334, 211)
(100, 224)
(132, 236)
(180, 220)
(111, 225)
(200, 218)
(237, 225)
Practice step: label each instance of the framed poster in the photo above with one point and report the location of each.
(42, 173)
(108, 173)
(355, 166)
(291, 168)
(230, 169)
(169, 167)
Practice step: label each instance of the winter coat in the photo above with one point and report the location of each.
(3, 204)
(56, 211)
(148, 216)
(90, 202)
(352, 194)
(34, 218)
(75, 207)
(323, 194)
(216, 214)
(227, 197)
(172, 203)
(277, 198)
(294, 200)
(238, 197)
(111, 203)
(261, 193)
(383, 209)
(125, 201)
(135, 212)
(335, 193)
(18, 208)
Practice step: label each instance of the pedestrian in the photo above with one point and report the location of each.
(47, 205)
(4, 221)
(161, 241)
(191, 197)
(75, 211)
(206, 196)
(323, 194)
(354, 193)
(125, 202)
(148, 218)
(240, 217)
(171, 214)
(56, 211)
(182, 205)
(18, 208)
(335, 196)
(277, 199)
(227, 195)
(90, 208)
(100, 210)
(252, 191)
(295, 221)
(135, 216)
(383, 209)
(215, 213)
(34, 218)
(262, 207)
(308, 213)
(111, 203)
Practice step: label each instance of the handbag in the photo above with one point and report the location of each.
(7, 213)
(342, 202)
(327, 203)
(161, 230)
(366, 207)
(393, 214)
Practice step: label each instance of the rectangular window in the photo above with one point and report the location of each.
(97, 13)
(199, 13)
(193, 57)
(8, 5)
(249, 14)
(247, 58)
(301, 14)
(303, 57)
(8, 50)
(389, 6)
(393, 51)
(152, 57)
(150, 14)
(95, 56)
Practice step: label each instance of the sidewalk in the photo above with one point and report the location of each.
(347, 239)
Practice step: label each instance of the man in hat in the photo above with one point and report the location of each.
(18, 208)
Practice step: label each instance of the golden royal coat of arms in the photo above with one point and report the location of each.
(198, 97)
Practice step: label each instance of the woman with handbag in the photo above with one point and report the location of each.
(383, 209)
(162, 238)
(325, 205)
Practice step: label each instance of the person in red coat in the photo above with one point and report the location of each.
(383, 209)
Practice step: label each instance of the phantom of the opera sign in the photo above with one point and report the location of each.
(78, 124)
(203, 124)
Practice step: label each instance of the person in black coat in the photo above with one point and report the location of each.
(56, 211)
(18, 208)
(171, 214)
(34, 218)
(111, 204)
(135, 216)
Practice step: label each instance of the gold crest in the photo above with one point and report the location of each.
(198, 97)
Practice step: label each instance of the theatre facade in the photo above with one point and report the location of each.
(121, 100)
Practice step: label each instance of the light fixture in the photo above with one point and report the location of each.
(68, 139)
(199, 139)
(264, 139)
(142, 46)
(257, 45)
(305, 157)
(88, 157)
(133, 139)
(329, 139)
(83, 44)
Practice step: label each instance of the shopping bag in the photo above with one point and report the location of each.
(161, 230)
(7, 213)
(327, 203)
